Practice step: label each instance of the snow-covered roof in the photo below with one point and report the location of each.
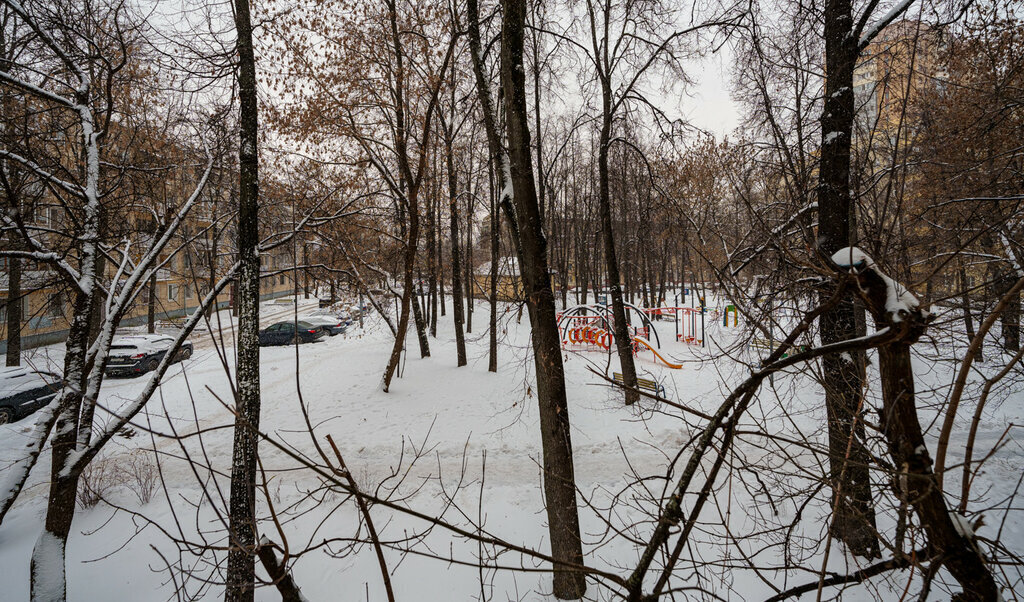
(507, 266)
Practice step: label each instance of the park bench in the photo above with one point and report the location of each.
(643, 383)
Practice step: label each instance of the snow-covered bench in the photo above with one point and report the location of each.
(643, 383)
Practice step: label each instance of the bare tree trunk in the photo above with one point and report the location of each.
(239, 585)
(559, 480)
(151, 305)
(279, 574)
(907, 447)
(14, 317)
(468, 267)
(623, 342)
(407, 293)
(853, 520)
(48, 582)
(453, 211)
(1009, 321)
(965, 306)
(418, 310)
(433, 260)
(440, 277)
(410, 181)
(492, 356)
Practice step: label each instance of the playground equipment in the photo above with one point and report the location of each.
(639, 342)
(601, 316)
(689, 322)
(725, 316)
(588, 335)
(591, 326)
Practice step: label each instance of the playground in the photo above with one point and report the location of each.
(660, 336)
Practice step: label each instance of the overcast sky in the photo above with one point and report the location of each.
(709, 105)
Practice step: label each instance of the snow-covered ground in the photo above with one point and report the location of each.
(449, 419)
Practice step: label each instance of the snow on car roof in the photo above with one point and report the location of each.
(142, 341)
(17, 379)
(324, 318)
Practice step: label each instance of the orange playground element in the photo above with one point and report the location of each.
(589, 335)
(639, 341)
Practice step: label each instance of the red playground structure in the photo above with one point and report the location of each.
(590, 327)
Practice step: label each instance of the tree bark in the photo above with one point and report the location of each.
(279, 574)
(14, 317)
(947, 535)
(1009, 321)
(492, 356)
(623, 342)
(453, 211)
(151, 305)
(559, 480)
(433, 260)
(418, 310)
(965, 306)
(468, 264)
(853, 520)
(239, 583)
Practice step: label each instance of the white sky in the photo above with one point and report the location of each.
(709, 105)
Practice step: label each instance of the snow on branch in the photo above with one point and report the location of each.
(40, 253)
(1011, 254)
(83, 455)
(33, 167)
(873, 31)
(16, 473)
(899, 302)
(36, 90)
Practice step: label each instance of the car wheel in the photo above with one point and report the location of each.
(151, 365)
(6, 415)
(186, 353)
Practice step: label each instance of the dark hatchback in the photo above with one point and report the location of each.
(288, 333)
(25, 390)
(137, 354)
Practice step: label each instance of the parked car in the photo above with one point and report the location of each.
(137, 354)
(330, 323)
(287, 333)
(340, 314)
(24, 390)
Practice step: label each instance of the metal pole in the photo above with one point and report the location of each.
(703, 332)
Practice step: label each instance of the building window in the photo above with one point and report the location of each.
(42, 215)
(280, 279)
(172, 292)
(24, 310)
(55, 305)
(188, 291)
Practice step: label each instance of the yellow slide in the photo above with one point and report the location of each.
(644, 342)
